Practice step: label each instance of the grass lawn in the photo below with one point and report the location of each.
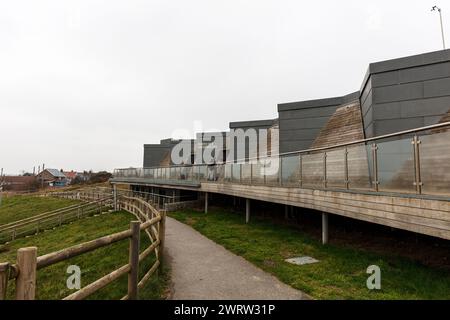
(51, 281)
(21, 207)
(341, 272)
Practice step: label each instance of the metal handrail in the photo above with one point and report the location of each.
(311, 150)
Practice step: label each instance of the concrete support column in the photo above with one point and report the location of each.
(324, 228)
(286, 212)
(206, 202)
(247, 210)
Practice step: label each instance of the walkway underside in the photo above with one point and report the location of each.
(422, 215)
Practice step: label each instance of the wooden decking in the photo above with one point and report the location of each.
(425, 215)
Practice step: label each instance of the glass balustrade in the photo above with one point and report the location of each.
(335, 169)
(378, 165)
(313, 170)
(395, 161)
(290, 170)
(435, 163)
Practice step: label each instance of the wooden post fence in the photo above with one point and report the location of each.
(162, 237)
(133, 275)
(26, 280)
(4, 276)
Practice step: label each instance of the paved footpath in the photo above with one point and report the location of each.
(202, 269)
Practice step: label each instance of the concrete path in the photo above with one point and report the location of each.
(202, 269)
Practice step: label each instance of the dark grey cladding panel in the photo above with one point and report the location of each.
(383, 111)
(310, 104)
(394, 125)
(307, 113)
(367, 104)
(367, 92)
(428, 121)
(308, 123)
(422, 73)
(154, 154)
(425, 107)
(369, 131)
(354, 96)
(401, 92)
(385, 79)
(253, 124)
(295, 145)
(410, 62)
(415, 74)
(436, 88)
(303, 134)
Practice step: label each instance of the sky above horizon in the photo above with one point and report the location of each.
(84, 84)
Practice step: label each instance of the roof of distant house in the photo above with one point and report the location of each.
(56, 173)
(70, 174)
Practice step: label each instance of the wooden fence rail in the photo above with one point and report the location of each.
(149, 220)
(48, 220)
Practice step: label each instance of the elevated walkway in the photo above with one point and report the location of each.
(399, 180)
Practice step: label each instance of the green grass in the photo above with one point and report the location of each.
(21, 207)
(51, 281)
(341, 272)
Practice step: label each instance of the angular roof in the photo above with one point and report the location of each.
(56, 173)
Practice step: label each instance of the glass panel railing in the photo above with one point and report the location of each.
(312, 170)
(246, 173)
(290, 170)
(202, 172)
(272, 171)
(173, 173)
(227, 176)
(258, 173)
(220, 172)
(236, 172)
(435, 163)
(335, 168)
(359, 160)
(396, 166)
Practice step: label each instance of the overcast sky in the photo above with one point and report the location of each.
(84, 84)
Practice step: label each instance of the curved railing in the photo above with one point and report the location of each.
(149, 220)
(414, 162)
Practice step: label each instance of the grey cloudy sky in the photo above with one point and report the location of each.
(84, 84)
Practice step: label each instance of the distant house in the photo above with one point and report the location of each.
(70, 175)
(19, 183)
(52, 178)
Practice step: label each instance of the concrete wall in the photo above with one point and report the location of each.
(406, 93)
(301, 122)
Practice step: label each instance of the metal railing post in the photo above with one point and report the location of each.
(346, 180)
(280, 171)
(375, 166)
(324, 170)
(240, 173)
(300, 169)
(418, 179)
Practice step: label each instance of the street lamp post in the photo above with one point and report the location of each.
(436, 8)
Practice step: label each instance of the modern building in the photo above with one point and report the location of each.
(380, 154)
